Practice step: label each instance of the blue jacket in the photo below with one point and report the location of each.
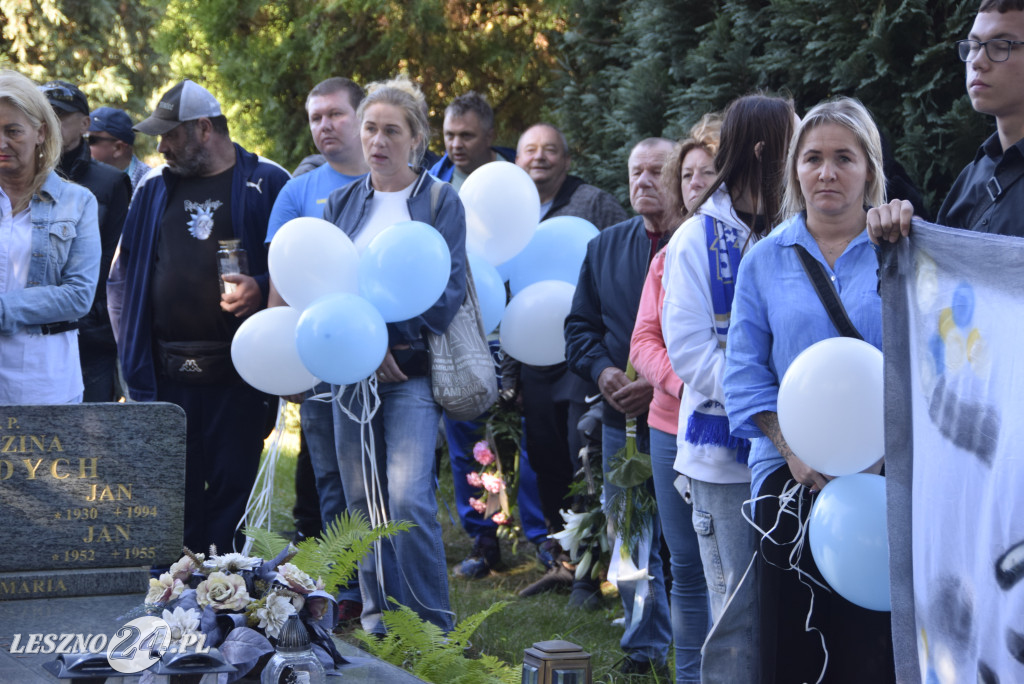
(445, 167)
(600, 324)
(348, 208)
(65, 261)
(254, 187)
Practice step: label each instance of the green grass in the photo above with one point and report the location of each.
(523, 622)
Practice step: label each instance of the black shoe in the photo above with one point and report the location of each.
(642, 668)
(485, 555)
(586, 594)
(558, 577)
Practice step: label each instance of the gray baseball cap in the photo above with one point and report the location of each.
(186, 101)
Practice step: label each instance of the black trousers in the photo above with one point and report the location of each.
(859, 641)
(551, 411)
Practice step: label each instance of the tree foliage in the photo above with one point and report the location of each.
(265, 56)
(103, 46)
(634, 69)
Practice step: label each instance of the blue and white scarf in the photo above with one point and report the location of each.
(709, 424)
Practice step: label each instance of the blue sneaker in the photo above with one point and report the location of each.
(486, 554)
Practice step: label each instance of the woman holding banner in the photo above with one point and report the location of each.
(399, 481)
(833, 173)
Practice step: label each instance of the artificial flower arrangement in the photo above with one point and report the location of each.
(240, 603)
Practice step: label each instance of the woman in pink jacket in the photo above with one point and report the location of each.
(686, 174)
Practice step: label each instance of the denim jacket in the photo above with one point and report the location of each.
(65, 262)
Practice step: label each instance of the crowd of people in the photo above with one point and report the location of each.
(685, 319)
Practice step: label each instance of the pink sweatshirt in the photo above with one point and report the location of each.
(649, 356)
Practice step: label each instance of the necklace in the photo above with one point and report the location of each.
(832, 249)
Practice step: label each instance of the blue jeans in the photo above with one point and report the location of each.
(650, 637)
(461, 436)
(727, 545)
(413, 569)
(689, 599)
(318, 430)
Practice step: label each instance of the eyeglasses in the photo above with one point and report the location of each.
(97, 139)
(997, 49)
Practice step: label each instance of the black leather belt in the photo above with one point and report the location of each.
(55, 328)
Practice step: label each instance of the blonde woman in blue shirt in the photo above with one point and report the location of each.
(834, 173)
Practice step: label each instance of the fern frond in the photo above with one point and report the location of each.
(463, 631)
(265, 544)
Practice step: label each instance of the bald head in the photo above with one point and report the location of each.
(544, 154)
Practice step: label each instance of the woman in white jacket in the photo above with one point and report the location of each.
(740, 206)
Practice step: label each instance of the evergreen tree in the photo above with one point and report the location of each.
(655, 68)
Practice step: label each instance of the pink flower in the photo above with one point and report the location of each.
(493, 483)
(482, 453)
(474, 479)
(478, 505)
(500, 518)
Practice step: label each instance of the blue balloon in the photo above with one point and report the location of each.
(849, 542)
(341, 338)
(404, 270)
(490, 290)
(555, 252)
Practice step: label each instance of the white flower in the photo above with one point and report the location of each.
(181, 622)
(222, 592)
(165, 589)
(233, 562)
(573, 532)
(184, 568)
(273, 613)
(295, 579)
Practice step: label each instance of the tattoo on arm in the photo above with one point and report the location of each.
(768, 422)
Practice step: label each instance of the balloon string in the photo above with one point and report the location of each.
(261, 498)
(367, 403)
(791, 493)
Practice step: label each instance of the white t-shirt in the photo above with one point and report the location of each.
(386, 209)
(34, 369)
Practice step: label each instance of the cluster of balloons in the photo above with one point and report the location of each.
(339, 301)
(831, 413)
(333, 328)
(541, 262)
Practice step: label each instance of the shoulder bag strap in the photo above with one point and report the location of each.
(435, 194)
(827, 294)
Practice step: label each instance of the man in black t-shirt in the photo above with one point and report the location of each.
(174, 326)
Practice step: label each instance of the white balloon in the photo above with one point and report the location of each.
(532, 329)
(502, 210)
(309, 258)
(831, 406)
(265, 354)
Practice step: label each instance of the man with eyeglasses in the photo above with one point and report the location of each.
(112, 141)
(113, 192)
(988, 196)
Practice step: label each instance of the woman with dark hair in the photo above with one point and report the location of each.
(833, 173)
(49, 253)
(411, 565)
(687, 172)
(739, 207)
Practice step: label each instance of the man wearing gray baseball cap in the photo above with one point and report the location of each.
(175, 316)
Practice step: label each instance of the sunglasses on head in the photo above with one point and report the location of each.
(59, 92)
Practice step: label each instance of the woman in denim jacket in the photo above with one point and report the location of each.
(49, 253)
(410, 567)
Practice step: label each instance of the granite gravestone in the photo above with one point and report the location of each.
(92, 494)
